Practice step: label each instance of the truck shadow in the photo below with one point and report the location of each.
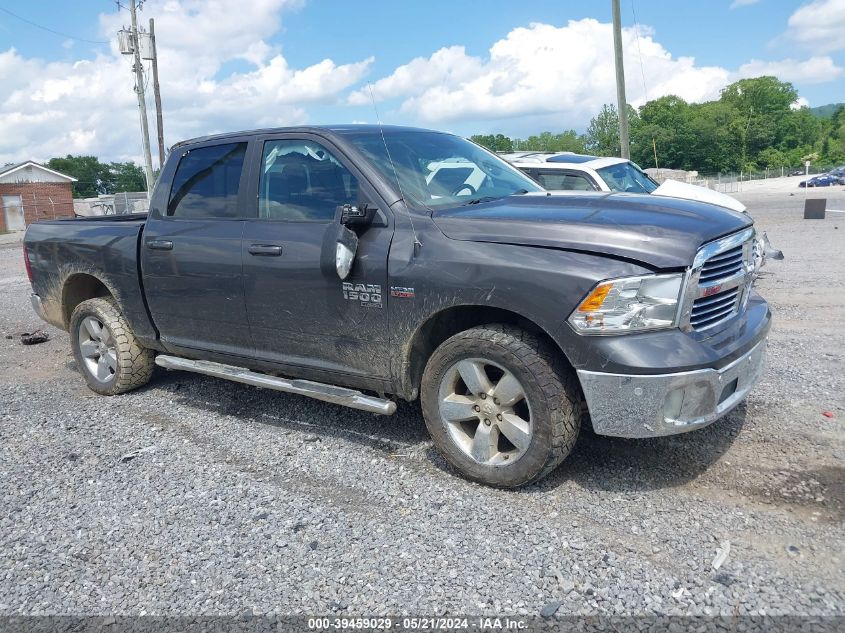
(613, 464)
(403, 430)
(597, 462)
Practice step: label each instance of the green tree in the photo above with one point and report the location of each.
(95, 178)
(835, 137)
(763, 95)
(92, 176)
(761, 104)
(125, 177)
(567, 141)
(798, 128)
(663, 124)
(603, 132)
(772, 158)
(713, 146)
(493, 142)
(753, 123)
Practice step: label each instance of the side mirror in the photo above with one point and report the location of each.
(345, 249)
(341, 241)
(352, 215)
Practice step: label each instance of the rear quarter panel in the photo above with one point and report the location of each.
(106, 249)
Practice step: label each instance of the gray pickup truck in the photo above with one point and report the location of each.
(362, 264)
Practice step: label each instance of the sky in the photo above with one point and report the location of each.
(466, 66)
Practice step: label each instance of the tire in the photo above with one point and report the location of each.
(540, 426)
(111, 359)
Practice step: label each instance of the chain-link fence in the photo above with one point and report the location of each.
(20, 210)
(726, 183)
(731, 182)
(17, 211)
(113, 204)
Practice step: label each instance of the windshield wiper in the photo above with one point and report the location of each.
(482, 199)
(518, 192)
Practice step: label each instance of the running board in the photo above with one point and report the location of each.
(318, 391)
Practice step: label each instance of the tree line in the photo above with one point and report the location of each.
(753, 125)
(95, 178)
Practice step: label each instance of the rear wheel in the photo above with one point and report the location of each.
(500, 405)
(106, 350)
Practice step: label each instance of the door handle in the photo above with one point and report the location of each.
(160, 245)
(265, 250)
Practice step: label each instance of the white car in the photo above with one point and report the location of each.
(577, 172)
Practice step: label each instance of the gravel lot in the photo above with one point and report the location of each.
(245, 500)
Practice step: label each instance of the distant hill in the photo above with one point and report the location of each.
(825, 111)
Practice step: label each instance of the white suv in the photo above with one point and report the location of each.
(576, 172)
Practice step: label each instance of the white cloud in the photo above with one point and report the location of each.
(448, 65)
(220, 71)
(563, 74)
(799, 103)
(88, 106)
(542, 69)
(811, 71)
(742, 3)
(819, 26)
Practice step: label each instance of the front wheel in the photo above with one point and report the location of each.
(500, 405)
(106, 350)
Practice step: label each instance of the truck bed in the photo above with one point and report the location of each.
(65, 253)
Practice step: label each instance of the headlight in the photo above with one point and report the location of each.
(630, 304)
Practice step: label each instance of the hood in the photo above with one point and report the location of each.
(677, 189)
(659, 232)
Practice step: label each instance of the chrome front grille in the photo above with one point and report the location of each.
(723, 265)
(719, 282)
(710, 310)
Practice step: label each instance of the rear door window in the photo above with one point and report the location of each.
(207, 181)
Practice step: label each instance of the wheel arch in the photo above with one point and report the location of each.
(79, 287)
(447, 322)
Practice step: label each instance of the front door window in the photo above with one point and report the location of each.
(302, 181)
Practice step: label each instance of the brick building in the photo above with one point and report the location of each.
(30, 192)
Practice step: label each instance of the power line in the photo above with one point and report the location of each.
(639, 50)
(49, 30)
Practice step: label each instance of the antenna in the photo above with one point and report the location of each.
(417, 242)
(642, 72)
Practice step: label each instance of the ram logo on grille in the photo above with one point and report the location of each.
(720, 281)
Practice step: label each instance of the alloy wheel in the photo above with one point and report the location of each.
(486, 411)
(98, 349)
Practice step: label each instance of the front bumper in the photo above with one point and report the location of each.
(626, 405)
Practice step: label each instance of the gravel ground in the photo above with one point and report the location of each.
(198, 496)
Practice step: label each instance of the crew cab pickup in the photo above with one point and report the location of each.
(331, 262)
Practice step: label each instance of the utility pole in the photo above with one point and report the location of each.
(620, 81)
(157, 93)
(142, 104)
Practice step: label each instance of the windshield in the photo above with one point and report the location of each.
(627, 177)
(437, 170)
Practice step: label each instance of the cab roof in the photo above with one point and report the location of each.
(346, 129)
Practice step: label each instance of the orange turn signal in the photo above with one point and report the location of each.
(596, 298)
